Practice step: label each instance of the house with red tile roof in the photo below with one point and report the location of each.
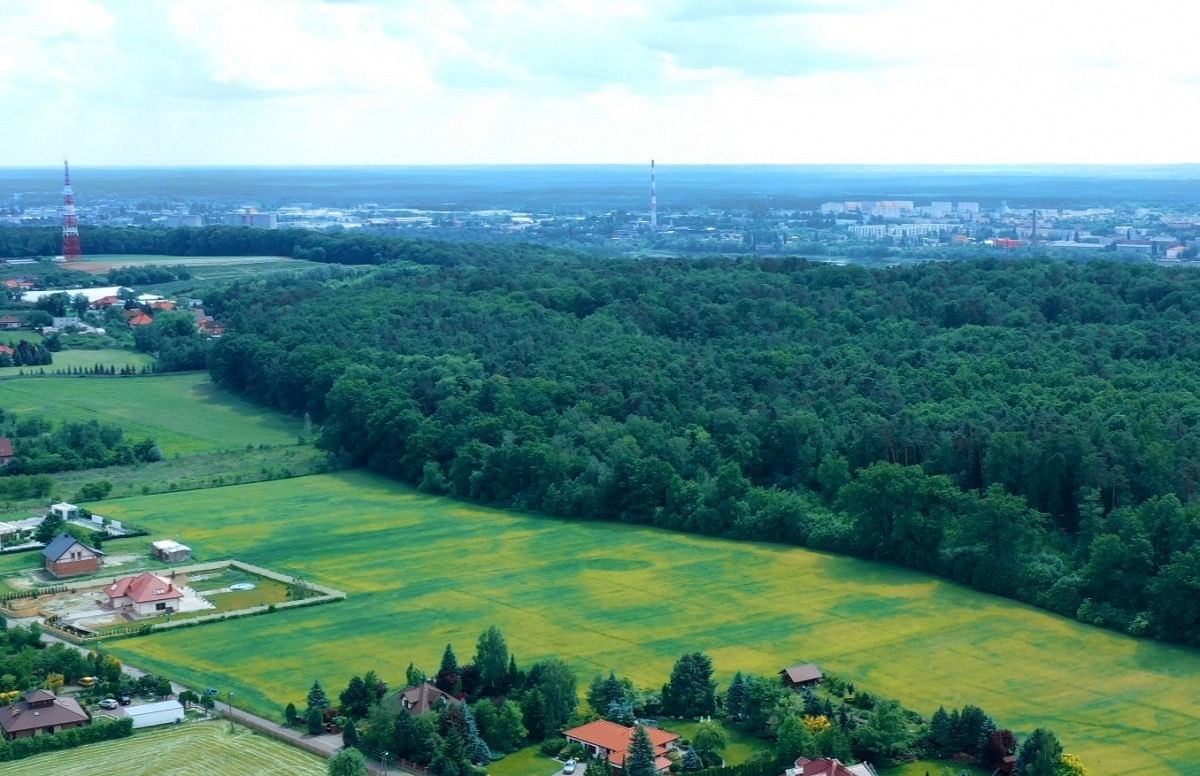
(145, 594)
(141, 319)
(10, 322)
(6, 451)
(611, 741)
(828, 766)
(107, 301)
(162, 304)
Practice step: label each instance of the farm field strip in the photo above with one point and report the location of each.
(191, 749)
(183, 413)
(422, 570)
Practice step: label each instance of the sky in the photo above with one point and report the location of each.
(302, 82)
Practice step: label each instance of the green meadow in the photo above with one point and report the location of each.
(184, 413)
(193, 749)
(422, 571)
(66, 359)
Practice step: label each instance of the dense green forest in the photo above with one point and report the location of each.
(1028, 428)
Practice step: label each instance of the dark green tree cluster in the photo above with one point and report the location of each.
(25, 353)
(1023, 427)
(40, 446)
(174, 340)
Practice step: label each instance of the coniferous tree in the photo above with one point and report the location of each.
(314, 721)
(448, 675)
(640, 760)
(317, 699)
(735, 697)
(291, 715)
(350, 735)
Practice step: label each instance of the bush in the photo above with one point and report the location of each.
(551, 747)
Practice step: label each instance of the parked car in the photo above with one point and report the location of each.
(108, 703)
(211, 691)
(124, 700)
(569, 766)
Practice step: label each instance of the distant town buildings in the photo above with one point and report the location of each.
(249, 216)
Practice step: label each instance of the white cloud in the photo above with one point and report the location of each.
(511, 81)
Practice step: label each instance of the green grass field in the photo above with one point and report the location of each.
(740, 746)
(192, 749)
(183, 413)
(66, 359)
(421, 571)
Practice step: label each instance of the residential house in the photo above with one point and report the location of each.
(153, 714)
(611, 741)
(107, 301)
(162, 304)
(144, 595)
(828, 766)
(14, 284)
(141, 319)
(6, 451)
(422, 698)
(798, 677)
(41, 713)
(9, 322)
(171, 551)
(66, 556)
(8, 350)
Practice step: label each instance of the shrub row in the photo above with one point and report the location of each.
(20, 748)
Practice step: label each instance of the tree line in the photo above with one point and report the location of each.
(1027, 428)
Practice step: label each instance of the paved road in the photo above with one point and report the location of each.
(326, 745)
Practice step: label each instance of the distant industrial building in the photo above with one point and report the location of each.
(249, 216)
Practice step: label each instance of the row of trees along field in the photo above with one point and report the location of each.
(494, 707)
(243, 241)
(1028, 428)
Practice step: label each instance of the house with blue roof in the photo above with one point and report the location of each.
(66, 556)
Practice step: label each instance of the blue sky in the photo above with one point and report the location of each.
(191, 82)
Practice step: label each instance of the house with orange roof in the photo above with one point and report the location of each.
(162, 304)
(146, 594)
(107, 301)
(611, 741)
(141, 319)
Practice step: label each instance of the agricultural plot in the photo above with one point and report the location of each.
(193, 749)
(421, 571)
(183, 413)
(104, 262)
(86, 359)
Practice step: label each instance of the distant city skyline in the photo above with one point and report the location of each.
(260, 82)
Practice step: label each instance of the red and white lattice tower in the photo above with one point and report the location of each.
(71, 251)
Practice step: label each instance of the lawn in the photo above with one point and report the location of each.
(191, 749)
(421, 571)
(525, 762)
(66, 359)
(739, 748)
(183, 413)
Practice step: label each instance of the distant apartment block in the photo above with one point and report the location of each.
(249, 216)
